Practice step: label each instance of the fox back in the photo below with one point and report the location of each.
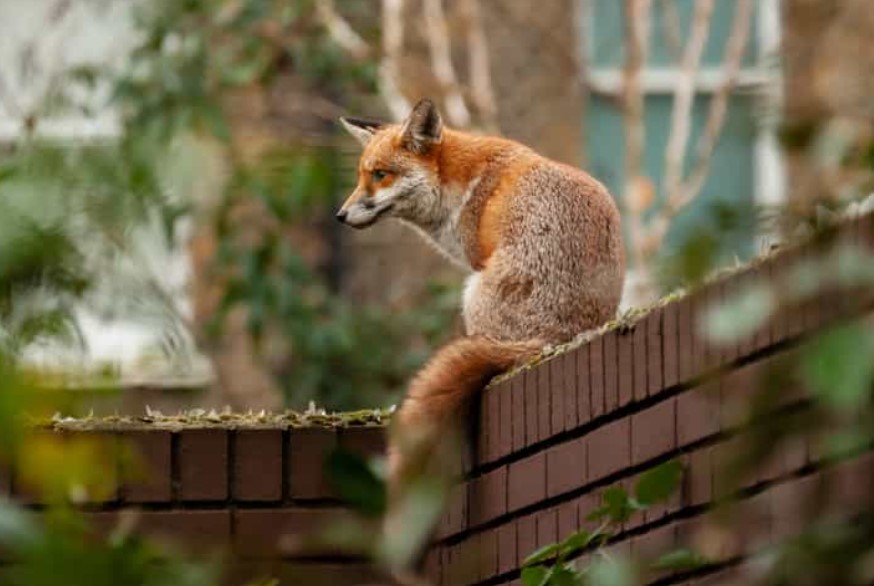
(542, 240)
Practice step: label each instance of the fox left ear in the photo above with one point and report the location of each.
(362, 130)
(423, 127)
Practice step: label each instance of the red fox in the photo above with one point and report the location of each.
(542, 241)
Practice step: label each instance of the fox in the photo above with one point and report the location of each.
(541, 242)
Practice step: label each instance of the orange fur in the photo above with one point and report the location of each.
(438, 397)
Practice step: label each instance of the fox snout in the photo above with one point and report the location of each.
(361, 211)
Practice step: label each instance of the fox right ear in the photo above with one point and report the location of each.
(362, 130)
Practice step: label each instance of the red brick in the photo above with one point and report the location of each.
(697, 414)
(519, 418)
(586, 505)
(625, 350)
(526, 537)
(203, 464)
(266, 532)
(308, 448)
(639, 360)
(652, 432)
(433, 565)
(710, 352)
(648, 546)
(654, 352)
(488, 496)
(151, 479)
(526, 482)
(609, 449)
(482, 431)
(566, 467)
(258, 465)
(532, 407)
(488, 554)
(505, 423)
(597, 405)
(544, 403)
(493, 417)
(191, 530)
(671, 344)
(685, 340)
(568, 373)
(611, 371)
(557, 393)
(547, 527)
(507, 547)
(367, 442)
(583, 384)
(457, 510)
(568, 515)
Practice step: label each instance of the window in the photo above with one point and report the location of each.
(746, 164)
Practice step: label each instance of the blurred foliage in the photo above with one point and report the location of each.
(55, 545)
(551, 565)
(193, 58)
(81, 217)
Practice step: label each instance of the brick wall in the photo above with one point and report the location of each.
(550, 438)
(251, 492)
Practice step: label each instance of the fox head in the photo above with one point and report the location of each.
(398, 170)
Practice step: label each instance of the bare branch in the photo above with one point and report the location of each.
(437, 33)
(481, 90)
(733, 60)
(684, 95)
(636, 32)
(671, 28)
(389, 68)
(341, 31)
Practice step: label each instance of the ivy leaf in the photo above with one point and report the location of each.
(356, 483)
(535, 576)
(544, 553)
(580, 540)
(657, 484)
(617, 506)
(837, 366)
(678, 560)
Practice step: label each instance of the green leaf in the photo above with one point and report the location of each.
(535, 576)
(680, 559)
(579, 540)
(356, 483)
(657, 484)
(544, 553)
(565, 576)
(838, 368)
(618, 506)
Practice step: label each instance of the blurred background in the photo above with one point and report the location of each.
(169, 170)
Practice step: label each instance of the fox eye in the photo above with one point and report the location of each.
(378, 175)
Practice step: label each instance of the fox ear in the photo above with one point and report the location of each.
(362, 130)
(423, 127)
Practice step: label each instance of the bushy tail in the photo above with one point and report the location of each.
(443, 389)
(428, 429)
(427, 435)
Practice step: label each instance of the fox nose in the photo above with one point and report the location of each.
(341, 216)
